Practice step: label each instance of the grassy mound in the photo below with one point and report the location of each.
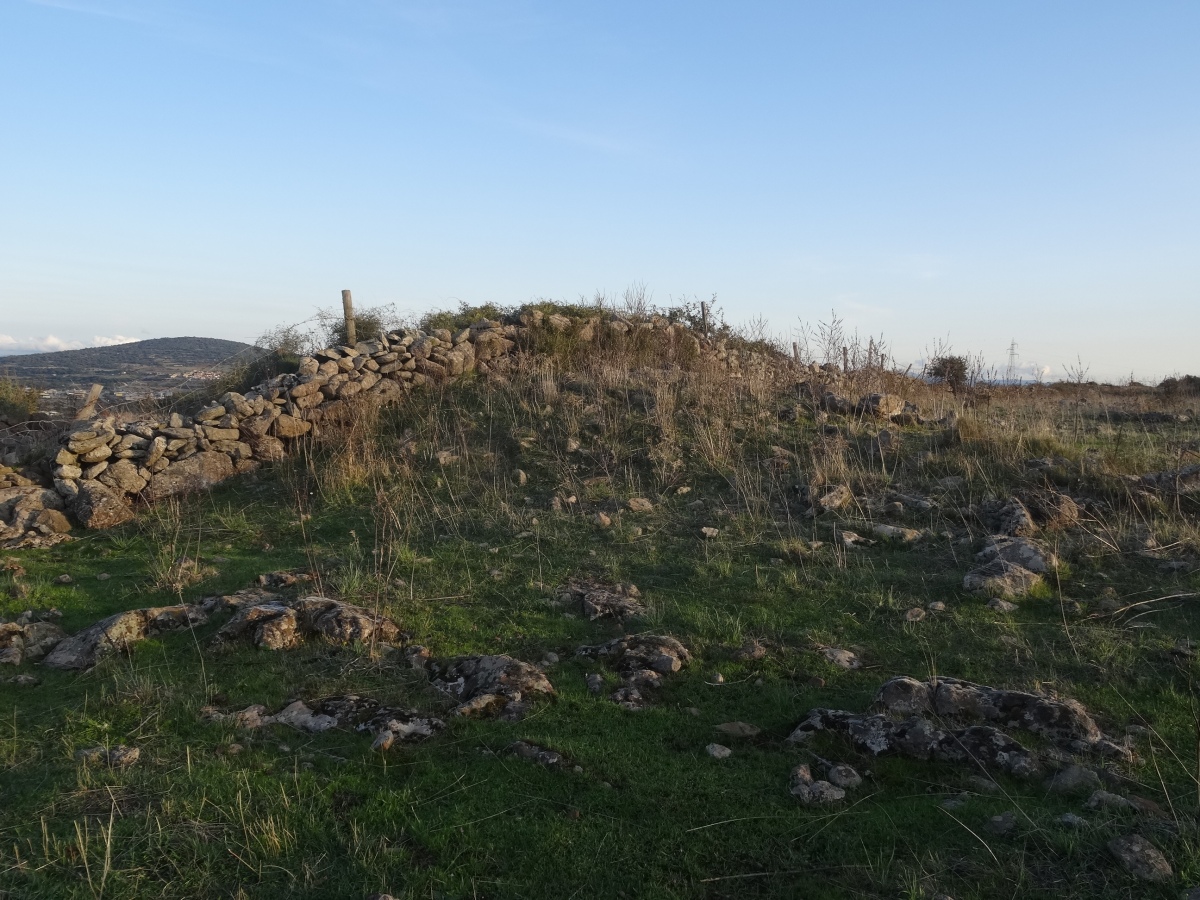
(463, 513)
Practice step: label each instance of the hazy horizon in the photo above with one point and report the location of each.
(928, 172)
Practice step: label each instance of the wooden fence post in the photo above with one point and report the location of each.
(704, 316)
(348, 311)
(845, 359)
(89, 403)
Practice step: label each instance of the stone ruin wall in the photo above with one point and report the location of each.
(104, 465)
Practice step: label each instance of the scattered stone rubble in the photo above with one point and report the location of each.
(551, 759)
(1181, 481)
(386, 724)
(118, 757)
(489, 685)
(811, 791)
(27, 639)
(103, 464)
(921, 739)
(285, 624)
(31, 517)
(642, 661)
(912, 713)
(1010, 566)
(1065, 722)
(597, 600)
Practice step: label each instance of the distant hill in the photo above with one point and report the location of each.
(141, 367)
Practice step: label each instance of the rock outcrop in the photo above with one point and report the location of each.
(489, 685)
(119, 633)
(278, 624)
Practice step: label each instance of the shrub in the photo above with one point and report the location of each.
(17, 402)
(951, 370)
(1180, 385)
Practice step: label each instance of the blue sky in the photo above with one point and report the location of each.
(963, 171)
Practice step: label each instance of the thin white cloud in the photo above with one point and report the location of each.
(50, 343)
(105, 11)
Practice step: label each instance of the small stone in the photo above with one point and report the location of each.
(816, 681)
(954, 802)
(1070, 820)
(1073, 780)
(844, 776)
(1002, 824)
(916, 614)
(64, 579)
(552, 658)
(103, 576)
(718, 751)
(692, 711)
(495, 574)
(1003, 606)
(603, 520)
(983, 785)
(119, 757)
(843, 658)
(1140, 858)
(1108, 800)
(738, 729)
(595, 683)
(640, 504)
(937, 606)
(717, 678)
(709, 533)
(811, 792)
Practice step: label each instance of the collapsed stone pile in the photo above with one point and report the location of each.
(103, 464)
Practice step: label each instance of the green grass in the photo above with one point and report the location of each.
(650, 813)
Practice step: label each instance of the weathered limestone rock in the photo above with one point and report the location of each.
(1066, 722)
(288, 427)
(388, 725)
(27, 642)
(1001, 578)
(196, 473)
(283, 625)
(98, 506)
(123, 477)
(1012, 519)
(618, 601)
(1140, 858)
(882, 406)
(1018, 551)
(812, 792)
(921, 739)
(267, 448)
(119, 633)
(642, 661)
(490, 685)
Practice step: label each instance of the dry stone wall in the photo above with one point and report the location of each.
(103, 464)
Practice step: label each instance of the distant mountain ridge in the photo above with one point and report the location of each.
(119, 365)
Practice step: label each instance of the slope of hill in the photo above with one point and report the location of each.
(141, 366)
